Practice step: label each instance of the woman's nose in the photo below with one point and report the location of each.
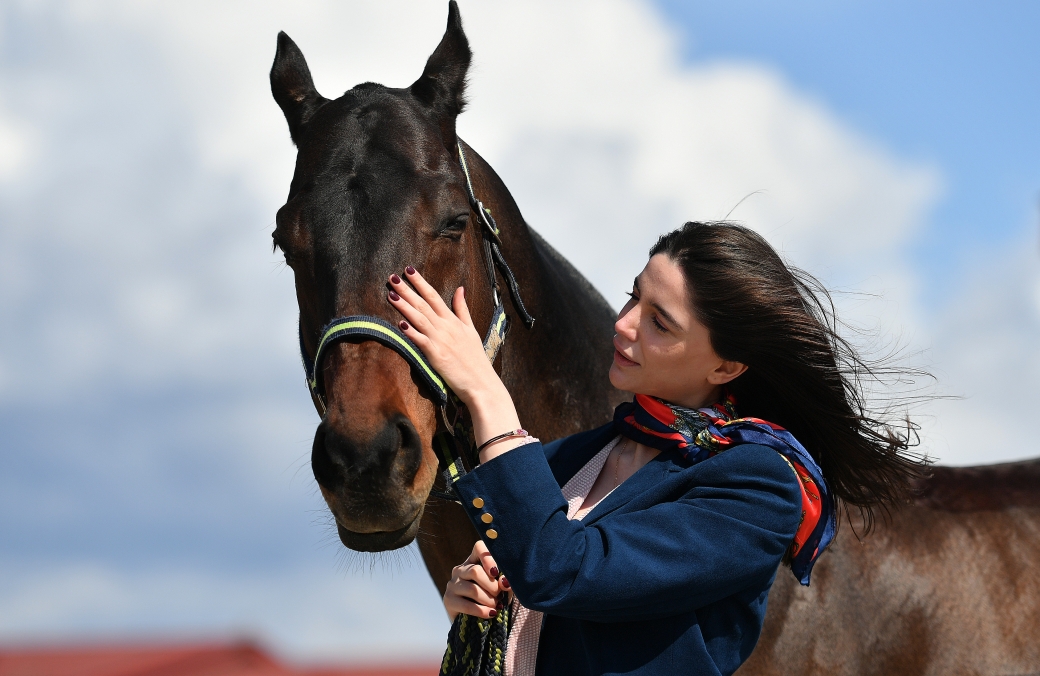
(626, 323)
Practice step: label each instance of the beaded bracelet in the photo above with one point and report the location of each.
(500, 437)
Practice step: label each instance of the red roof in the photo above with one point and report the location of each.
(239, 659)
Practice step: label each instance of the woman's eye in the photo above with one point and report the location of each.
(657, 325)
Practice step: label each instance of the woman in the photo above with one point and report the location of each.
(649, 545)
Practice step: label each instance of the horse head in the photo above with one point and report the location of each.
(377, 186)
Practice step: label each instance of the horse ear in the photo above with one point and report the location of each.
(443, 83)
(293, 87)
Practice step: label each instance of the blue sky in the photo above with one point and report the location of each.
(155, 427)
(951, 83)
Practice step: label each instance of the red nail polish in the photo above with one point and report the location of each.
(394, 279)
(394, 296)
(494, 571)
(404, 326)
(410, 270)
(499, 606)
(492, 613)
(505, 582)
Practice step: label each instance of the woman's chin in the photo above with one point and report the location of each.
(618, 379)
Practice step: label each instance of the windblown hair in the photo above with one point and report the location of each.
(801, 375)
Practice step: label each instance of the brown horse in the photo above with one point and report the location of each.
(948, 586)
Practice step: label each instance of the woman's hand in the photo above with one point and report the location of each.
(448, 339)
(475, 587)
(453, 347)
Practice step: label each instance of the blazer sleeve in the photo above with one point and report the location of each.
(725, 529)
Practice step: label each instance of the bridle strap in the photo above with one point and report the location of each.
(492, 250)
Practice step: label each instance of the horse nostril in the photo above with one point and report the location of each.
(321, 462)
(392, 456)
(410, 454)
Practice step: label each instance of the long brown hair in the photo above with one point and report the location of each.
(802, 375)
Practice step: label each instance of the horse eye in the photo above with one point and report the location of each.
(277, 245)
(454, 226)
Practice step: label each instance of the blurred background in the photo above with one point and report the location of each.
(155, 428)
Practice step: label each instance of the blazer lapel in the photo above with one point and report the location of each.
(648, 476)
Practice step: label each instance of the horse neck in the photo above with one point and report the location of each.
(561, 364)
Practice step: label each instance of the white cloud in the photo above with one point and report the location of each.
(14, 148)
(986, 347)
(564, 82)
(603, 102)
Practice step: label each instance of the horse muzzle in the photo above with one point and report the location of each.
(369, 485)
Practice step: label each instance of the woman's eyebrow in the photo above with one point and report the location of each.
(664, 313)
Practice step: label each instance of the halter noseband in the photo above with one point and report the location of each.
(456, 442)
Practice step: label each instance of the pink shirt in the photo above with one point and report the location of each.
(522, 649)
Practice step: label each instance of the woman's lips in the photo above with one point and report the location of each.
(622, 360)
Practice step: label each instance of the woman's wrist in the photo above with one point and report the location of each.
(493, 414)
(489, 404)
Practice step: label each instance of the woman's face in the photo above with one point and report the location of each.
(660, 348)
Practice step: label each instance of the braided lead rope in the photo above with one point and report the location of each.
(477, 647)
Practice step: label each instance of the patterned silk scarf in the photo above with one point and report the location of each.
(704, 433)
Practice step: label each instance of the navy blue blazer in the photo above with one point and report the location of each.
(669, 574)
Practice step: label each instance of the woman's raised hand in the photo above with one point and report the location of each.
(476, 588)
(453, 347)
(448, 339)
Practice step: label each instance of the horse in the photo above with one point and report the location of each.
(942, 587)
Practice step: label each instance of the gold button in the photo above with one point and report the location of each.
(487, 518)
(491, 533)
(478, 502)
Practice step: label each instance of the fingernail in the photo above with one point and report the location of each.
(394, 296)
(505, 582)
(492, 613)
(394, 279)
(410, 270)
(404, 326)
(499, 606)
(494, 571)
